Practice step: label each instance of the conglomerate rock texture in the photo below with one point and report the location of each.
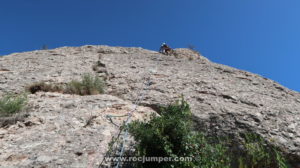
(222, 99)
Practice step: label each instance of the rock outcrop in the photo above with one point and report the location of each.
(223, 99)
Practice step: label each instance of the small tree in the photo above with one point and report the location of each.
(171, 135)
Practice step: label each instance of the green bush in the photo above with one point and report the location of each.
(87, 86)
(171, 135)
(257, 153)
(12, 104)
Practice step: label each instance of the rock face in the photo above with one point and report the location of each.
(64, 131)
(222, 99)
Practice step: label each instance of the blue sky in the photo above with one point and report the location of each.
(260, 36)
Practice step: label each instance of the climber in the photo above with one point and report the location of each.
(165, 49)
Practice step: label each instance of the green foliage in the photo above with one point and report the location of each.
(87, 86)
(171, 135)
(257, 153)
(12, 104)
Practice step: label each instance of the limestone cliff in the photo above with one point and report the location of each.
(55, 134)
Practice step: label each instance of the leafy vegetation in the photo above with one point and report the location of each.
(88, 85)
(171, 135)
(257, 153)
(11, 104)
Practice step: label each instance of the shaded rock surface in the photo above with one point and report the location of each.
(223, 99)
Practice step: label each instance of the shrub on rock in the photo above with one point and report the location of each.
(11, 104)
(89, 85)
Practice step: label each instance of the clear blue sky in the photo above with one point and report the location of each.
(260, 36)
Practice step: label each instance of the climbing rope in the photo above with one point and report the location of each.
(126, 124)
(110, 118)
(140, 97)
